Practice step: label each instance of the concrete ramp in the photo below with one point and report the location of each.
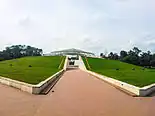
(77, 93)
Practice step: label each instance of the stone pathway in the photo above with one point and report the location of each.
(76, 94)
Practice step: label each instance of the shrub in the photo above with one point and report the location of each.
(133, 68)
(117, 68)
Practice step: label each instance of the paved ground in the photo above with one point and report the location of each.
(76, 94)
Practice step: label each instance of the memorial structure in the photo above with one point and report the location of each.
(70, 52)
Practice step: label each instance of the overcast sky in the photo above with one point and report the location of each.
(93, 25)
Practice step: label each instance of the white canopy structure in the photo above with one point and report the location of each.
(70, 52)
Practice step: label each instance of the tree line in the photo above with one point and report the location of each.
(18, 51)
(134, 56)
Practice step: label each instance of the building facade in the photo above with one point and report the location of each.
(70, 52)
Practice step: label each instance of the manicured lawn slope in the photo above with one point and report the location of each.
(42, 68)
(137, 77)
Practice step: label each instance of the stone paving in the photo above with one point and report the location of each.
(76, 94)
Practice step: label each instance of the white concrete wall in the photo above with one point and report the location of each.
(33, 89)
(81, 64)
(136, 91)
(17, 84)
(125, 86)
(30, 88)
(144, 91)
(36, 89)
(66, 63)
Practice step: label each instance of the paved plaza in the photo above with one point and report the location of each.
(77, 93)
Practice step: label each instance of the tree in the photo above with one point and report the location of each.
(153, 56)
(134, 56)
(115, 56)
(152, 63)
(145, 58)
(111, 55)
(123, 54)
(17, 51)
(101, 55)
(131, 59)
(136, 50)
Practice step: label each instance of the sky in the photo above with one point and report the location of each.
(91, 25)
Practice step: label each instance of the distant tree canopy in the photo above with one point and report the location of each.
(134, 56)
(102, 55)
(18, 51)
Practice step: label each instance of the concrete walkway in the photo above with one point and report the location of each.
(76, 94)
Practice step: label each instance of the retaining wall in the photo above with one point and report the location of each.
(17, 84)
(30, 88)
(144, 91)
(131, 89)
(66, 63)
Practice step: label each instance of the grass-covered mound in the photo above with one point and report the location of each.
(125, 72)
(31, 69)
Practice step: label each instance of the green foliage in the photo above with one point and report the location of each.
(131, 59)
(123, 54)
(113, 56)
(101, 55)
(152, 63)
(134, 56)
(136, 51)
(30, 69)
(129, 73)
(18, 51)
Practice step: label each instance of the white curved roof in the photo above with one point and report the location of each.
(72, 50)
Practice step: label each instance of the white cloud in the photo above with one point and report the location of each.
(84, 24)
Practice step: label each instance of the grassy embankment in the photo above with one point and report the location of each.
(125, 72)
(31, 69)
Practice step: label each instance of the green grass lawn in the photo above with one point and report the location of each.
(137, 77)
(42, 68)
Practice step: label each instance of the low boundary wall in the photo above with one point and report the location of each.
(128, 88)
(132, 90)
(66, 63)
(30, 88)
